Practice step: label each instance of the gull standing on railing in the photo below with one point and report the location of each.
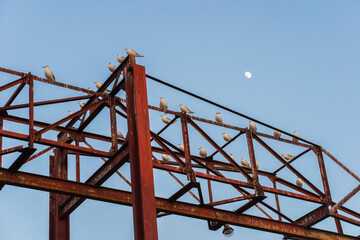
(184, 109)
(132, 53)
(277, 134)
(112, 68)
(218, 118)
(165, 119)
(120, 58)
(99, 84)
(163, 104)
(49, 74)
(252, 126)
(81, 104)
(202, 152)
(226, 137)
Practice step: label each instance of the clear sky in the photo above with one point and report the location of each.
(303, 55)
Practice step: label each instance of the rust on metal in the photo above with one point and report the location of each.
(216, 169)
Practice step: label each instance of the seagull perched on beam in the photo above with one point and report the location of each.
(163, 104)
(81, 104)
(226, 137)
(277, 134)
(184, 109)
(49, 74)
(99, 84)
(119, 135)
(202, 152)
(120, 58)
(299, 182)
(296, 135)
(218, 118)
(287, 156)
(252, 126)
(166, 119)
(244, 163)
(165, 157)
(112, 68)
(132, 53)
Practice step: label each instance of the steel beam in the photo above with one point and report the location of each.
(44, 183)
(314, 216)
(97, 179)
(142, 180)
(59, 228)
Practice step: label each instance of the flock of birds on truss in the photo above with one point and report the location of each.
(164, 106)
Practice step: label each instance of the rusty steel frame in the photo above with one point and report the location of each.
(139, 149)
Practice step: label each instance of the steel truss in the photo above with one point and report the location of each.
(141, 147)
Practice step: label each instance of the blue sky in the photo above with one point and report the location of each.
(303, 55)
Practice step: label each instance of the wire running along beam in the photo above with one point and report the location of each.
(215, 169)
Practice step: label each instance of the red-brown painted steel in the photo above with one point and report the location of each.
(31, 110)
(257, 187)
(57, 185)
(323, 173)
(314, 216)
(97, 179)
(185, 134)
(113, 126)
(142, 181)
(53, 143)
(297, 173)
(1, 140)
(139, 138)
(77, 164)
(59, 228)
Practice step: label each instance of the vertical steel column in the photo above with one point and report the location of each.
(31, 110)
(324, 178)
(254, 170)
(1, 139)
(276, 199)
(318, 152)
(77, 163)
(59, 228)
(113, 128)
(142, 180)
(185, 133)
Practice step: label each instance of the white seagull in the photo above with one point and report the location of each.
(299, 182)
(166, 119)
(296, 135)
(257, 164)
(184, 109)
(244, 162)
(163, 104)
(132, 53)
(181, 146)
(232, 157)
(287, 156)
(120, 58)
(252, 126)
(277, 134)
(99, 84)
(112, 68)
(202, 152)
(119, 134)
(218, 118)
(81, 104)
(226, 137)
(70, 112)
(49, 74)
(165, 157)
